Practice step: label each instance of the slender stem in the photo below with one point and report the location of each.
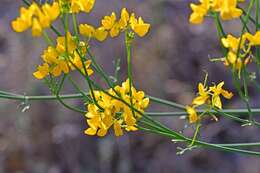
(238, 112)
(257, 26)
(250, 17)
(99, 69)
(56, 31)
(195, 134)
(27, 2)
(13, 96)
(62, 102)
(129, 67)
(75, 26)
(86, 76)
(166, 102)
(243, 22)
(222, 147)
(47, 39)
(220, 29)
(228, 115)
(84, 95)
(246, 97)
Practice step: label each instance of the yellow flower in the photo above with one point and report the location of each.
(110, 25)
(117, 128)
(228, 9)
(79, 5)
(109, 21)
(138, 26)
(202, 97)
(61, 66)
(232, 42)
(114, 112)
(50, 55)
(193, 116)
(86, 30)
(115, 30)
(58, 62)
(217, 91)
(254, 40)
(123, 22)
(100, 34)
(236, 62)
(52, 11)
(36, 17)
(36, 28)
(209, 97)
(61, 48)
(42, 71)
(199, 12)
(23, 22)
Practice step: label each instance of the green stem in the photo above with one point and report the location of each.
(128, 41)
(62, 102)
(84, 95)
(166, 102)
(257, 26)
(47, 39)
(238, 112)
(222, 147)
(75, 26)
(246, 97)
(228, 115)
(27, 2)
(250, 17)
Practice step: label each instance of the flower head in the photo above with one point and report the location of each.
(76, 6)
(112, 26)
(226, 8)
(37, 17)
(209, 98)
(202, 97)
(58, 60)
(217, 90)
(193, 116)
(114, 112)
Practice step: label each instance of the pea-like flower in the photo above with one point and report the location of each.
(239, 50)
(193, 116)
(112, 26)
(217, 90)
(58, 60)
(76, 6)
(202, 97)
(254, 40)
(226, 8)
(115, 113)
(37, 17)
(209, 97)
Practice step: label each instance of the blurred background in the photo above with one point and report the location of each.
(168, 63)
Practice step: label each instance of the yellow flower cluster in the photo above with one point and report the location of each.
(227, 9)
(36, 17)
(243, 45)
(114, 112)
(76, 6)
(57, 61)
(110, 25)
(209, 96)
